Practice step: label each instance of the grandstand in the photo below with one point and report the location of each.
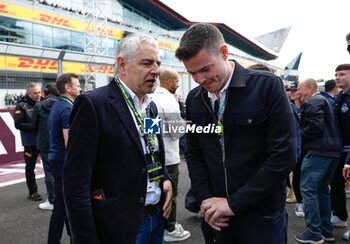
(40, 39)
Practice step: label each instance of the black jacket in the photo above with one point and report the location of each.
(105, 152)
(23, 121)
(40, 120)
(318, 128)
(342, 112)
(260, 144)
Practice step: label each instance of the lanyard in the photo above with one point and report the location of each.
(150, 140)
(66, 99)
(221, 133)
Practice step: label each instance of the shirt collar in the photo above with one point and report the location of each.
(146, 101)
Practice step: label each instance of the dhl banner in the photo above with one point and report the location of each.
(49, 66)
(28, 64)
(167, 45)
(23, 13)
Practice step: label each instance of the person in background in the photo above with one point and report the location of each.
(330, 90)
(23, 122)
(40, 121)
(169, 112)
(68, 86)
(342, 113)
(294, 98)
(321, 144)
(182, 140)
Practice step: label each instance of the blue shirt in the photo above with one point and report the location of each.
(59, 120)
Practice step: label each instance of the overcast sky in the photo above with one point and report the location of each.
(318, 29)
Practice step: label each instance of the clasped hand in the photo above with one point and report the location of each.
(216, 211)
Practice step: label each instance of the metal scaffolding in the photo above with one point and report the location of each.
(95, 36)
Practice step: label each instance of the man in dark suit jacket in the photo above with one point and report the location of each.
(239, 172)
(112, 188)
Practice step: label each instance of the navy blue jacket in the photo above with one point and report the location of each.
(342, 113)
(104, 152)
(318, 128)
(260, 144)
(40, 120)
(23, 121)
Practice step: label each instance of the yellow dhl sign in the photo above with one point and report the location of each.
(32, 15)
(167, 45)
(49, 66)
(23, 13)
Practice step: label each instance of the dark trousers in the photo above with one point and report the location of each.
(49, 180)
(30, 157)
(296, 181)
(182, 145)
(58, 217)
(338, 191)
(173, 170)
(250, 228)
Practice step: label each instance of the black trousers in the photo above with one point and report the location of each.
(338, 191)
(296, 180)
(58, 216)
(250, 228)
(30, 157)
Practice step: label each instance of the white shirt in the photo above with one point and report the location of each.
(169, 112)
(153, 189)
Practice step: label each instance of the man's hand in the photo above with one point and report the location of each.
(168, 190)
(298, 103)
(215, 211)
(346, 173)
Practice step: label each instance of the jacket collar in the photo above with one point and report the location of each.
(119, 106)
(325, 94)
(347, 93)
(238, 78)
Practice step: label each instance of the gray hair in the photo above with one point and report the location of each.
(31, 85)
(129, 46)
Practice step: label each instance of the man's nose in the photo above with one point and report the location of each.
(155, 70)
(200, 78)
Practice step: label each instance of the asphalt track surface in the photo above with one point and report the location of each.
(22, 222)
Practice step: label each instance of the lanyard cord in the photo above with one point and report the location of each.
(222, 109)
(66, 99)
(221, 133)
(150, 140)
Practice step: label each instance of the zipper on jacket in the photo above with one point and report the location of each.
(223, 141)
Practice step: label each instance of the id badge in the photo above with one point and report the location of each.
(154, 167)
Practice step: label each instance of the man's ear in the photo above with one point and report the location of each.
(224, 51)
(121, 62)
(169, 82)
(67, 87)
